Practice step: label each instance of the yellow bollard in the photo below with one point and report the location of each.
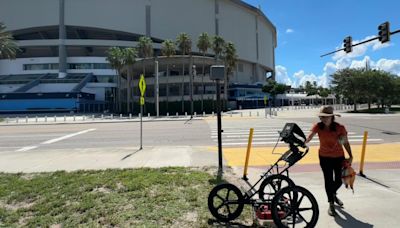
(363, 153)
(248, 154)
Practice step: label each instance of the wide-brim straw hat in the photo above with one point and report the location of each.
(327, 111)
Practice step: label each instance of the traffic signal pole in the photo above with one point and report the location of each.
(384, 36)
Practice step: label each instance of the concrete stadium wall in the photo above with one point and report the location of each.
(164, 20)
(16, 66)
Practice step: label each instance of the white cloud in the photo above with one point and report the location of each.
(307, 77)
(360, 50)
(282, 76)
(289, 30)
(390, 65)
(299, 74)
(324, 80)
(378, 45)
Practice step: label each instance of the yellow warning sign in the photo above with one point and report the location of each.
(142, 86)
(141, 100)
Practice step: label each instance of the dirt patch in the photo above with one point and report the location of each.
(102, 190)
(16, 206)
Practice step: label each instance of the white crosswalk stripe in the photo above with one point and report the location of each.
(268, 136)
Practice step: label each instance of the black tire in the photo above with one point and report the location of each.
(225, 202)
(295, 202)
(272, 184)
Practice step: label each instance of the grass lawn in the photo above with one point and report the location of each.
(1, 119)
(377, 110)
(165, 197)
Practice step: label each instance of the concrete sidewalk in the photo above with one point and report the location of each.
(375, 202)
(105, 158)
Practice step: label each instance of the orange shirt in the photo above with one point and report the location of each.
(329, 140)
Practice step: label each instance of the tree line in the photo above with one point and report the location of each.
(367, 86)
(357, 86)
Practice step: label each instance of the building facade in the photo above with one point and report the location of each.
(64, 42)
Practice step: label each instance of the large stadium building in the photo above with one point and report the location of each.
(62, 63)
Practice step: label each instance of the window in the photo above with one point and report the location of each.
(45, 66)
(104, 79)
(79, 66)
(101, 66)
(240, 67)
(72, 66)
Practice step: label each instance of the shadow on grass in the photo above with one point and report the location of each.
(219, 178)
(216, 223)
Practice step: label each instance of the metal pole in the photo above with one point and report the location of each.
(191, 90)
(141, 129)
(363, 153)
(219, 126)
(157, 91)
(248, 154)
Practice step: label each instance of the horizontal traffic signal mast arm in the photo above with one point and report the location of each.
(363, 42)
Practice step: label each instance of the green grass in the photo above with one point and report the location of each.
(1, 119)
(165, 197)
(377, 110)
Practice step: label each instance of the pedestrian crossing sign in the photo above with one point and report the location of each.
(142, 85)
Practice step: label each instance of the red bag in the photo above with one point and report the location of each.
(348, 175)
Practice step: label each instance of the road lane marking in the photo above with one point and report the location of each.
(23, 149)
(66, 136)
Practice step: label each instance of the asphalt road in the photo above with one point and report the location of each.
(180, 133)
(104, 135)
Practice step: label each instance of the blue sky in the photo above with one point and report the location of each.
(309, 28)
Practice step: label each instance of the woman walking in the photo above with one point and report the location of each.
(332, 136)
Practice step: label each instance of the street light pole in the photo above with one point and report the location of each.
(191, 90)
(157, 90)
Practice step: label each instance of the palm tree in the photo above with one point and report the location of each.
(218, 44)
(168, 50)
(115, 57)
(184, 44)
(129, 58)
(145, 50)
(203, 44)
(8, 47)
(230, 59)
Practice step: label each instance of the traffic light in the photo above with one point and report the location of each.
(384, 32)
(347, 42)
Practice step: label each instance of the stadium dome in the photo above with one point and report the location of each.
(63, 47)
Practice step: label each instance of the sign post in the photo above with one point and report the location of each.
(142, 87)
(217, 74)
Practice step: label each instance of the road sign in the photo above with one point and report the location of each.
(217, 72)
(141, 100)
(142, 85)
